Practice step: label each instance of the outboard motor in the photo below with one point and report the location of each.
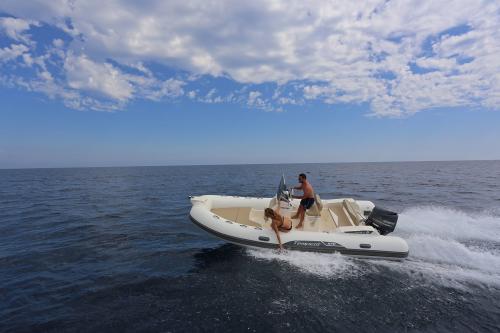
(382, 220)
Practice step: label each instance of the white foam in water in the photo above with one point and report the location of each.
(448, 223)
(447, 246)
(439, 239)
(326, 265)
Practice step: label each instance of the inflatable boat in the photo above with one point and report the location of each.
(346, 226)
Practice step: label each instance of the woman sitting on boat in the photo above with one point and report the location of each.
(279, 222)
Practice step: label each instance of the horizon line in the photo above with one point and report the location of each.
(239, 164)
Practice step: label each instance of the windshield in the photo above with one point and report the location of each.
(282, 193)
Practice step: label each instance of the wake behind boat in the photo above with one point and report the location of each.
(346, 226)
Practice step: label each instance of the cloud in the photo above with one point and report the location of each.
(170, 88)
(254, 98)
(12, 52)
(114, 85)
(16, 28)
(84, 74)
(397, 57)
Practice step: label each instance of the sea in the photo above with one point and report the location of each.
(113, 250)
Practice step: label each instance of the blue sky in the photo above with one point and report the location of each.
(197, 82)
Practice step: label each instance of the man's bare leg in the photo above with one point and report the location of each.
(296, 215)
(302, 215)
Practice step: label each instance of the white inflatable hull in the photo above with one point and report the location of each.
(318, 235)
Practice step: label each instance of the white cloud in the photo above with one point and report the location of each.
(254, 98)
(12, 52)
(288, 100)
(28, 60)
(16, 28)
(314, 91)
(46, 76)
(444, 64)
(170, 88)
(344, 51)
(58, 42)
(211, 93)
(85, 74)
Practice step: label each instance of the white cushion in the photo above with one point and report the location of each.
(257, 216)
(334, 217)
(353, 210)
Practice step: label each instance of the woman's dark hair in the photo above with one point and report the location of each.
(303, 175)
(268, 212)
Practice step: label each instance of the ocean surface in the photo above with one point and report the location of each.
(113, 250)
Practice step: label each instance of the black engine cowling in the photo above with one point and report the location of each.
(382, 220)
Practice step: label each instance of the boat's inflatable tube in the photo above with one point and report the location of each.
(360, 240)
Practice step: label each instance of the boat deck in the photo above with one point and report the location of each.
(332, 216)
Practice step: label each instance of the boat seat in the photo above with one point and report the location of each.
(353, 211)
(335, 217)
(327, 223)
(257, 216)
(341, 215)
(316, 208)
(236, 214)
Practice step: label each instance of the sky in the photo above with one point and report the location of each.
(119, 83)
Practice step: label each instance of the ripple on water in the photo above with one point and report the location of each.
(112, 249)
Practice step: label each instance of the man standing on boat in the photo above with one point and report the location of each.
(307, 199)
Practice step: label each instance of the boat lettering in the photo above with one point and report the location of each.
(302, 243)
(331, 244)
(316, 244)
